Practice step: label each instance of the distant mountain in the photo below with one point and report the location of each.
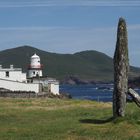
(81, 67)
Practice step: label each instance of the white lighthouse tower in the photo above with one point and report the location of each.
(35, 68)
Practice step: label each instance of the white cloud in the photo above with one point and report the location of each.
(134, 27)
(28, 28)
(59, 39)
(38, 3)
(71, 40)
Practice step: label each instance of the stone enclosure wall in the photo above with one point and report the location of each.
(18, 94)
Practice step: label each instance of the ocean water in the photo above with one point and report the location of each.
(97, 92)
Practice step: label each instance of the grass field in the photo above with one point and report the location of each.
(53, 119)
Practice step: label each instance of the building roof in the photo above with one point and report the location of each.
(35, 56)
(9, 69)
(44, 78)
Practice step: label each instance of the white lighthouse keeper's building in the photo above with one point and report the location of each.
(13, 78)
(35, 67)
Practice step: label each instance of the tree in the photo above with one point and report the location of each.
(121, 68)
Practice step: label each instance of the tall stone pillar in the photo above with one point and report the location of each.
(121, 68)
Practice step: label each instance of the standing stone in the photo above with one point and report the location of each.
(121, 68)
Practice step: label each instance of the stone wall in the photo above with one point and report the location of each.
(18, 94)
(31, 94)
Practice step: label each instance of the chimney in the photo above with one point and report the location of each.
(11, 66)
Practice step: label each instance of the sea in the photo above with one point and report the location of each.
(96, 92)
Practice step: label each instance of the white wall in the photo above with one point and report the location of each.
(13, 75)
(54, 87)
(13, 85)
(33, 73)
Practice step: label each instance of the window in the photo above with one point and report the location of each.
(37, 75)
(7, 73)
(33, 72)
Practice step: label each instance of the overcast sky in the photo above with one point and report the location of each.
(68, 26)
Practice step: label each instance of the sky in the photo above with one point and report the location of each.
(69, 26)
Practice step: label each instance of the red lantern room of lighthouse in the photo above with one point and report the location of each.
(35, 68)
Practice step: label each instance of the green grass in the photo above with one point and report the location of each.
(52, 119)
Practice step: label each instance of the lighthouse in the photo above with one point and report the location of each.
(35, 67)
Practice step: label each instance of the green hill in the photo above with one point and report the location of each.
(86, 65)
